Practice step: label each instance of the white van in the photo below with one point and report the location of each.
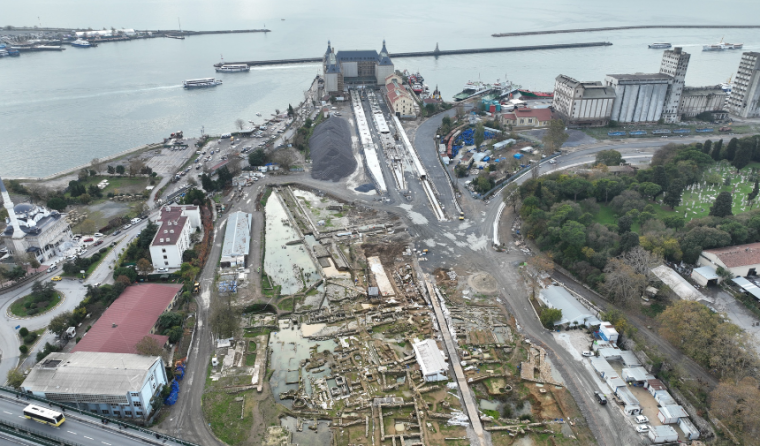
(226, 135)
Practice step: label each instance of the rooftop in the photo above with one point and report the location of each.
(678, 284)
(90, 373)
(542, 114)
(172, 221)
(572, 310)
(129, 319)
(641, 77)
(747, 286)
(237, 235)
(429, 357)
(740, 255)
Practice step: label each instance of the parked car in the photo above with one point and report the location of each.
(88, 240)
(641, 419)
(98, 243)
(56, 278)
(600, 397)
(97, 234)
(587, 354)
(116, 233)
(642, 429)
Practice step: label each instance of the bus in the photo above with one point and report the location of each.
(44, 416)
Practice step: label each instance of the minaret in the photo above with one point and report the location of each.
(8, 204)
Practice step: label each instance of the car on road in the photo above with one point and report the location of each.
(600, 397)
(127, 226)
(56, 278)
(116, 233)
(97, 234)
(98, 243)
(88, 240)
(587, 354)
(461, 215)
(642, 429)
(641, 419)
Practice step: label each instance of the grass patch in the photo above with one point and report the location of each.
(18, 308)
(223, 415)
(654, 309)
(250, 360)
(118, 185)
(265, 197)
(287, 304)
(491, 413)
(605, 216)
(256, 332)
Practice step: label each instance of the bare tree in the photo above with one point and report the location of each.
(192, 182)
(233, 164)
(38, 192)
(511, 196)
(223, 320)
(97, 165)
(135, 166)
(239, 123)
(149, 347)
(622, 282)
(285, 158)
(642, 261)
(144, 267)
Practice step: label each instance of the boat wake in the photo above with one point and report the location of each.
(95, 95)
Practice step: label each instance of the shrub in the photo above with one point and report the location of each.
(43, 304)
(102, 250)
(28, 304)
(31, 311)
(30, 338)
(95, 257)
(23, 331)
(23, 349)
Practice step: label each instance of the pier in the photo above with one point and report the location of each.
(618, 28)
(435, 53)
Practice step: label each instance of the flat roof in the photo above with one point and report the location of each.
(237, 235)
(635, 373)
(678, 284)
(383, 283)
(603, 367)
(706, 272)
(572, 310)
(640, 76)
(129, 319)
(674, 411)
(629, 359)
(747, 286)
(94, 373)
(429, 357)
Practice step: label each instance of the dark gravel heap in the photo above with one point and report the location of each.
(330, 147)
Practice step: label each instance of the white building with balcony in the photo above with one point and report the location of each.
(175, 225)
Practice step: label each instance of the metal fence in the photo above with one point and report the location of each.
(100, 418)
(33, 435)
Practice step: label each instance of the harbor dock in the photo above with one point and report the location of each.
(435, 53)
(618, 28)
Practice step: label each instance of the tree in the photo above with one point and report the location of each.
(257, 158)
(735, 404)
(144, 267)
(60, 323)
(307, 123)
(23, 331)
(674, 221)
(707, 147)
(622, 283)
(716, 151)
(136, 165)
(555, 136)
(175, 334)
(628, 241)
(110, 169)
(285, 158)
(642, 261)
(149, 347)
(207, 183)
(120, 169)
(730, 151)
(574, 234)
(624, 224)
(291, 112)
(15, 378)
(511, 196)
(743, 154)
(609, 157)
(194, 196)
(480, 134)
(673, 197)
(460, 170)
(83, 174)
(169, 320)
(239, 123)
(223, 320)
(649, 189)
(603, 188)
(96, 164)
(575, 186)
(722, 205)
(752, 195)
(549, 316)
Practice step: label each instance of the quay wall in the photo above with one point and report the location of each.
(617, 28)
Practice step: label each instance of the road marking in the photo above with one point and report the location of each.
(88, 437)
(71, 432)
(109, 444)
(9, 413)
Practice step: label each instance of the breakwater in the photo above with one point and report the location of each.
(176, 32)
(435, 53)
(618, 28)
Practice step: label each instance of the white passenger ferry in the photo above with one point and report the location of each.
(202, 83)
(233, 68)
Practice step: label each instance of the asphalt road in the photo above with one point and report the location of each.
(77, 428)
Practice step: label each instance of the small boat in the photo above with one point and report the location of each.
(527, 94)
(258, 114)
(201, 83)
(81, 43)
(233, 68)
(660, 45)
(4, 53)
(176, 37)
(13, 53)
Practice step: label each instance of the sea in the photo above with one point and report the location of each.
(61, 110)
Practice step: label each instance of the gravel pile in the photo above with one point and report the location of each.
(331, 155)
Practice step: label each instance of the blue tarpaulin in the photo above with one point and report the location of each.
(518, 155)
(172, 398)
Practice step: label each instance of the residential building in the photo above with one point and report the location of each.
(237, 240)
(431, 361)
(34, 230)
(399, 98)
(175, 225)
(129, 319)
(112, 384)
(582, 103)
(573, 312)
(528, 118)
(355, 66)
(744, 101)
(697, 100)
(740, 260)
(638, 97)
(674, 63)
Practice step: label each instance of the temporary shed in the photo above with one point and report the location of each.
(663, 398)
(502, 144)
(689, 430)
(654, 386)
(607, 332)
(430, 359)
(662, 434)
(748, 287)
(670, 414)
(629, 359)
(603, 368)
(610, 353)
(705, 275)
(614, 382)
(678, 284)
(636, 375)
(573, 312)
(631, 404)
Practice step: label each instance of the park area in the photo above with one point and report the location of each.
(42, 299)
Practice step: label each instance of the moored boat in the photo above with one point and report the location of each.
(81, 43)
(527, 94)
(201, 83)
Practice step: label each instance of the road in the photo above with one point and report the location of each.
(77, 428)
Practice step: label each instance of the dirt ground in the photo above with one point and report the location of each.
(483, 283)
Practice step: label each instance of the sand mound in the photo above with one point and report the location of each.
(331, 155)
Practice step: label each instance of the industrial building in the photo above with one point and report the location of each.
(674, 64)
(573, 312)
(237, 240)
(431, 361)
(111, 384)
(582, 103)
(739, 260)
(638, 97)
(697, 100)
(683, 289)
(175, 224)
(364, 67)
(34, 230)
(744, 101)
(129, 319)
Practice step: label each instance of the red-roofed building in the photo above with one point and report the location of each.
(740, 260)
(399, 98)
(130, 318)
(176, 223)
(528, 117)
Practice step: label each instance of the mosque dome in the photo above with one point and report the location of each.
(24, 208)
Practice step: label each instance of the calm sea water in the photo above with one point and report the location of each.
(60, 110)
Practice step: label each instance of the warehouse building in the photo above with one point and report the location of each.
(678, 284)
(697, 100)
(431, 361)
(585, 103)
(237, 240)
(111, 384)
(739, 260)
(573, 312)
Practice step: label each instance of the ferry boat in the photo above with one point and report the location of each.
(721, 46)
(201, 83)
(472, 89)
(233, 68)
(660, 45)
(81, 43)
(527, 94)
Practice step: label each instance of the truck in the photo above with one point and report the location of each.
(196, 287)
